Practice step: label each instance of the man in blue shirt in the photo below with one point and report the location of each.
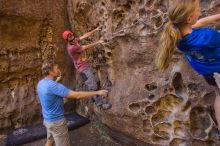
(52, 94)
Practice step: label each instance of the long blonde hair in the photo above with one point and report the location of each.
(178, 13)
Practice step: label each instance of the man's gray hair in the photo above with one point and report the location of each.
(48, 66)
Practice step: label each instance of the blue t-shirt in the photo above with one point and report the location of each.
(202, 50)
(51, 96)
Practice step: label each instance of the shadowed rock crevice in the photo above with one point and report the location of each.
(178, 84)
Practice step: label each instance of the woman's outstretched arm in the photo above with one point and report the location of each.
(207, 20)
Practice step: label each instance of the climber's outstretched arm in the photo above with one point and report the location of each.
(207, 20)
(90, 33)
(85, 47)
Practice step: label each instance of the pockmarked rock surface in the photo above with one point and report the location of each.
(171, 108)
(149, 107)
(30, 33)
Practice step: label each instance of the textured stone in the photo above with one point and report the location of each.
(29, 30)
(170, 108)
(149, 107)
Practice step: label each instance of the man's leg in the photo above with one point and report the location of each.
(61, 134)
(50, 140)
(49, 143)
(59, 131)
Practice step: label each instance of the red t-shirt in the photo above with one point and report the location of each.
(75, 51)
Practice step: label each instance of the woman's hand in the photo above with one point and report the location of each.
(206, 20)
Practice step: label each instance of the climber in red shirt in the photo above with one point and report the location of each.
(88, 74)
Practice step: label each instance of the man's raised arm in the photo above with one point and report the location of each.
(85, 47)
(90, 33)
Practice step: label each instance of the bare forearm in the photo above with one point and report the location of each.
(207, 20)
(88, 34)
(85, 47)
(81, 94)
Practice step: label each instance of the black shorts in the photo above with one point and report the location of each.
(210, 79)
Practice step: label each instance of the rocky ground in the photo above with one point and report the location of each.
(92, 134)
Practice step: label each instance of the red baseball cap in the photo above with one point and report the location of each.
(66, 34)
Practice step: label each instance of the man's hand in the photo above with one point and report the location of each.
(101, 41)
(59, 78)
(98, 28)
(103, 93)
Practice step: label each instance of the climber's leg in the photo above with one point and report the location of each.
(217, 109)
(91, 81)
(217, 101)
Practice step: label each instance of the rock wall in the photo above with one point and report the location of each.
(30, 32)
(171, 108)
(149, 107)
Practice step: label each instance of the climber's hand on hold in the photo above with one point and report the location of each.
(103, 93)
(101, 41)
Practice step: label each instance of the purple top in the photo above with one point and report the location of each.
(75, 51)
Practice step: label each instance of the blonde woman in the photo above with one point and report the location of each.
(200, 46)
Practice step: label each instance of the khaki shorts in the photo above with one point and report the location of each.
(58, 131)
